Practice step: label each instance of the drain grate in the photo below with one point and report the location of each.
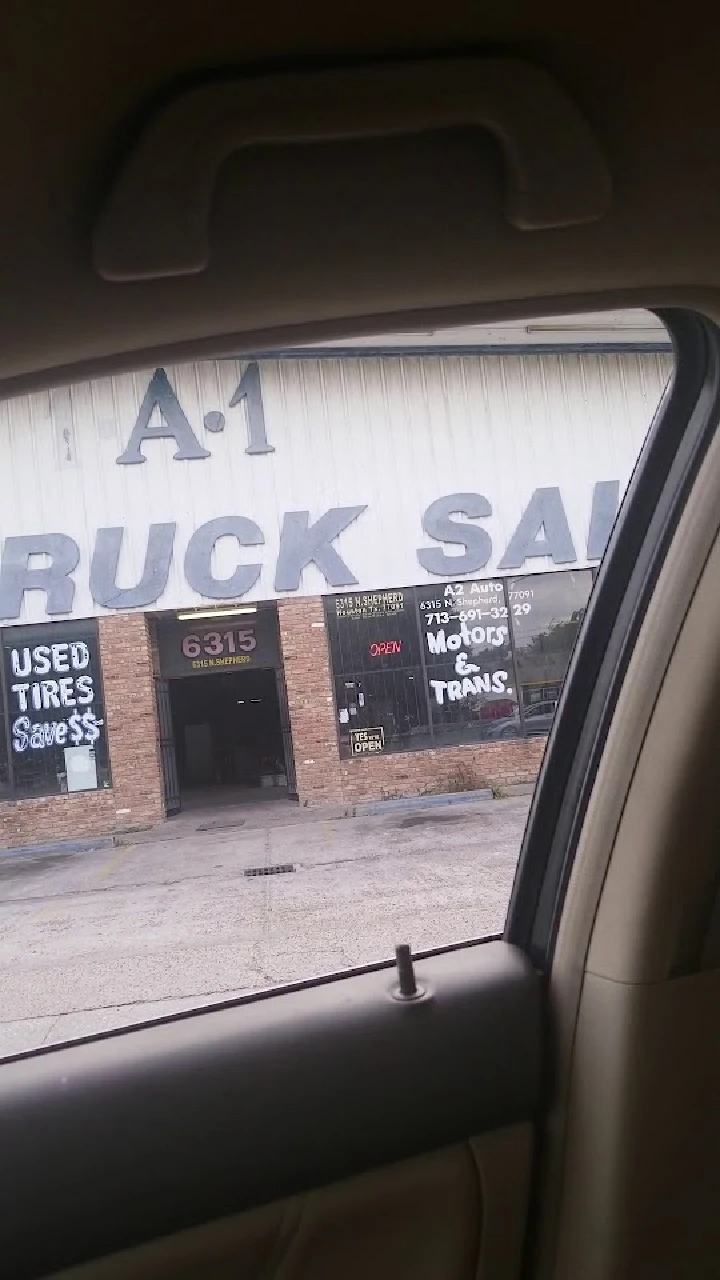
(279, 869)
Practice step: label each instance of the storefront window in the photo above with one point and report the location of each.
(453, 662)
(5, 784)
(468, 660)
(54, 737)
(378, 676)
(546, 610)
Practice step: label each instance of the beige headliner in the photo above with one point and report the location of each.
(313, 242)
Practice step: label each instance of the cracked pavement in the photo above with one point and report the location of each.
(168, 922)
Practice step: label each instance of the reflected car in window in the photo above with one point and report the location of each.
(537, 721)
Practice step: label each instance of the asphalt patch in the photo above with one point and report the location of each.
(28, 864)
(222, 826)
(438, 819)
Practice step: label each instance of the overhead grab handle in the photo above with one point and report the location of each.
(155, 221)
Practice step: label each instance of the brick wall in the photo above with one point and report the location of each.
(413, 773)
(136, 796)
(131, 709)
(322, 776)
(303, 644)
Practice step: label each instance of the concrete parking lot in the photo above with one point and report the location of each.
(170, 921)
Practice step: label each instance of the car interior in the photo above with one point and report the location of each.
(184, 181)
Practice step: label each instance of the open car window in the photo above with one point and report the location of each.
(282, 640)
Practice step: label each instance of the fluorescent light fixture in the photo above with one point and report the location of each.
(234, 612)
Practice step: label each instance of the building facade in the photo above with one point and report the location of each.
(347, 574)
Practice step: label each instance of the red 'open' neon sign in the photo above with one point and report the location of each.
(380, 648)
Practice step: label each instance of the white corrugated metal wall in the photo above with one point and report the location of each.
(393, 433)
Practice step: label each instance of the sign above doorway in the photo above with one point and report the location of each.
(197, 647)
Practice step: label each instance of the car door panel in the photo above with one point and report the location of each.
(456, 1213)
(200, 1117)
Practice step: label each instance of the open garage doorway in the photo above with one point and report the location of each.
(223, 716)
(228, 738)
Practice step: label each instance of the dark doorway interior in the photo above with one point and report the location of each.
(228, 737)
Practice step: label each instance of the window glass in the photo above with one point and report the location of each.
(545, 615)
(54, 709)
(469, 664)
(378, 677)
(5, 783)
(337, 581)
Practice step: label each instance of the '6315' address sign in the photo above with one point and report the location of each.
(198, 646)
